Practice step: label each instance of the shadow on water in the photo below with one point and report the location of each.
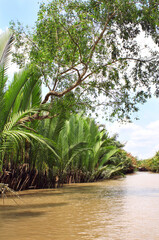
(69, 189)
(42, 193)
(30, 206)
(20, 211)
(21, 214)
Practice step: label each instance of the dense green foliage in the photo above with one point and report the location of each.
(90, 47)
(149, 164)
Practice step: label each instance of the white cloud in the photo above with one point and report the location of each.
(141, 141)
(3, 30)
(153, 125)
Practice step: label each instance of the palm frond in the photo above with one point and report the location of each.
(76, 148)
(6, 41)
(50, 144)
(17, 136)
(30, 93)
(12, 92)
(74, 155)
(108, 155)
(14, 119)
(3, 80)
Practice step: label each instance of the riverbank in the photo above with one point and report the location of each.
(23, 178)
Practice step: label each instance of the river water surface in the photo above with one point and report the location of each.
(123, 209)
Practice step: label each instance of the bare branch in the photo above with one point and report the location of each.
(60, 94)
(79, 76)
(115, 61)
(100, 37)
(69, 69)
(29, 39)
(73, 41)
(28, 128)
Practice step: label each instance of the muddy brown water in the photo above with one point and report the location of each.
(123, 209)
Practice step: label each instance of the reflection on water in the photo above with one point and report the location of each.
(125, 209)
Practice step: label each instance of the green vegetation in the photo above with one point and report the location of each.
(81, 51)
(149, 164)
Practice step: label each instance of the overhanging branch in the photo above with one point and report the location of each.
(36, 116)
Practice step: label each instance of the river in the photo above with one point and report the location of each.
(123, 209)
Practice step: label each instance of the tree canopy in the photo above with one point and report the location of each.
(90, 48)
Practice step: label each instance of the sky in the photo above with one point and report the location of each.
(141, 137)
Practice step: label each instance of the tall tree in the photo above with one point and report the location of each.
(90, 47)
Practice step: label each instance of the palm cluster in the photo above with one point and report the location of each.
(84, 151)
